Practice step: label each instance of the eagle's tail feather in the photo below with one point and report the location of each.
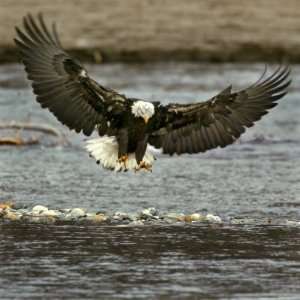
(105, 151)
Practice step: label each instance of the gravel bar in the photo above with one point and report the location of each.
(149, 216)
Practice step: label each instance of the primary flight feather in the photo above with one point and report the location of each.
(126, 125)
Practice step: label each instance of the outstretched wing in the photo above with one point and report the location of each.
(60, 82)
(197, 127)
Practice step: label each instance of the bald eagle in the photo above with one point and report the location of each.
(127, 126)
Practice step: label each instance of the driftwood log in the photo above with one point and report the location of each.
(17, 140)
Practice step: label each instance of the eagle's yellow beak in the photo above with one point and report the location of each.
(146, 119)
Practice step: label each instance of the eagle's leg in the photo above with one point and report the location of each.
(139, 155)
(144, 166)
(123, 156)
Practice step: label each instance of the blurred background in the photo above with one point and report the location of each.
(149, 30)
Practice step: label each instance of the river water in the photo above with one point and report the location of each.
(256, 179)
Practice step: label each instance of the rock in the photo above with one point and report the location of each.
(90, 216)
(12, 216)
(120, 216)
(40, 219)
(172, 217)
(213, 219)
(50, 213)
(181, 218)
(197, 217)
(7, 204)
(99, 218)
(136, 223)
(65, 210)
(193, 218)
(101, 212)
(76, 213)
(96, 217)
(149, 213)
(243, 221)
(39, 209)
(188, 219)
(293, 223)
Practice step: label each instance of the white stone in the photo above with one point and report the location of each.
(136, 223)
(50, 213)
(196, 217)
(149, 213)
(293, 223)
(39, 209)
(77, 213)
(213, 219)
(120, 216)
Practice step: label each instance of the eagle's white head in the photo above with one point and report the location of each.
(143, 109)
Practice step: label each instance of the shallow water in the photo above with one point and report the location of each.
(257, 178)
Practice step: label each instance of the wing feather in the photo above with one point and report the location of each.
(219, 121)
(60, 83)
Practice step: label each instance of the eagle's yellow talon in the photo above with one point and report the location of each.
(144, 166)
(122, 160)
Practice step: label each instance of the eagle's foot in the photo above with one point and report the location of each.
(144, 166)
(123, 160)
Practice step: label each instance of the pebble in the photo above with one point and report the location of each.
(99, 218)
(39, 209)
(12, 216)
(149, 213)
(76, 213)
(243, 221)
(6, 205)
(197, 217)
(120, 216)
(213, 219)
(173, 217)
(136, 223)
(50, 213)
(293, 223)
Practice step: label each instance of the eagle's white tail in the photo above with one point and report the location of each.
(105, 151)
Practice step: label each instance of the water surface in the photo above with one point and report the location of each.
(256, 178)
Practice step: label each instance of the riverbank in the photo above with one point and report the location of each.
(142, 31)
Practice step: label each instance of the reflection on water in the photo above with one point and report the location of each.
(257, 178)
(95, 262)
